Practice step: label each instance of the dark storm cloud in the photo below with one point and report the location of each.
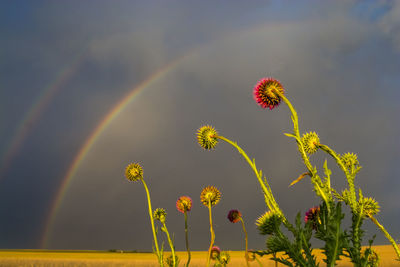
(337, 69)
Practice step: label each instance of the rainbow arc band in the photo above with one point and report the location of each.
(115, 111)
(104, 123)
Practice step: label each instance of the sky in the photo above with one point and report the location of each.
(87, 87)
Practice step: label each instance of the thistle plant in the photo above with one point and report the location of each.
(223, 259)
(210, 196)
(161, 216)
(235, 216)
(268, 93)
(208, 138)
(134, 172)
(323, 222)
(184, 205)
(215, 251)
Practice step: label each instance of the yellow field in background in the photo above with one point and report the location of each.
(43, 258)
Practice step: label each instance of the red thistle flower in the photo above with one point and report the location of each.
(184, 203)
(312, 215)
(265, 94)
(215, 251)
(234, 216)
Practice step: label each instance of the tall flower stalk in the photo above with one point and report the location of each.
(269, 92)
(184, 205)
(161, 215)
(210, 196)
(235, 216)
(134, 172)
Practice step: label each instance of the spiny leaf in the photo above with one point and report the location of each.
(299, 178)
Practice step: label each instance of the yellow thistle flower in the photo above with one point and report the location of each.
(160, 214)
(310, 141)
(373, 259)
(370, 206)
(206, 137)
(210, 194)
(267, 222)
(224, 258)
(349, 160)
(134, 172)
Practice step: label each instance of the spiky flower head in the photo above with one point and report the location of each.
(310, 142)
(184, 203)
(206, 137)
(349, 160)
(210, 194)
(224, 258)
(265, 92)
(160, 215)
(134, 172)
(267, 223)
(312, 216)
(215, 251)
(234, 216)
(370, 206)
(373, 259)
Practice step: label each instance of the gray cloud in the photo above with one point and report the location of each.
(339, 76)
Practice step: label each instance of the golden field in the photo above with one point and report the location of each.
(41, 258)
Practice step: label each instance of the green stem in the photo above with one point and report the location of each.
(270, 200)
(246, 255)
(296, 132)
(212, 234)
(335, 156)
(187, 240)
(356, 235)
(395, 246)
(303, 153)
(160, 261)
(349, 177)
(171, 245)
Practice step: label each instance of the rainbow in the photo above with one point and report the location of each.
(114, 112)
(36, 110)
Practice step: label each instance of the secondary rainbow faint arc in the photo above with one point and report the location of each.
(117, 109)
(36, 111)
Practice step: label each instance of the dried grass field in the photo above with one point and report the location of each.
(43, 258)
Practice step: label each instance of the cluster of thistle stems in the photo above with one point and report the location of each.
(210, 196)
(361, 207)
(325, 219)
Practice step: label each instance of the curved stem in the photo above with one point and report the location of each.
(212, 234)
(270, 200)
(152, 223)
(312, 171)
(187, 240)
(171, 245)
(246, 255)
(296, 132)
(387, 235)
